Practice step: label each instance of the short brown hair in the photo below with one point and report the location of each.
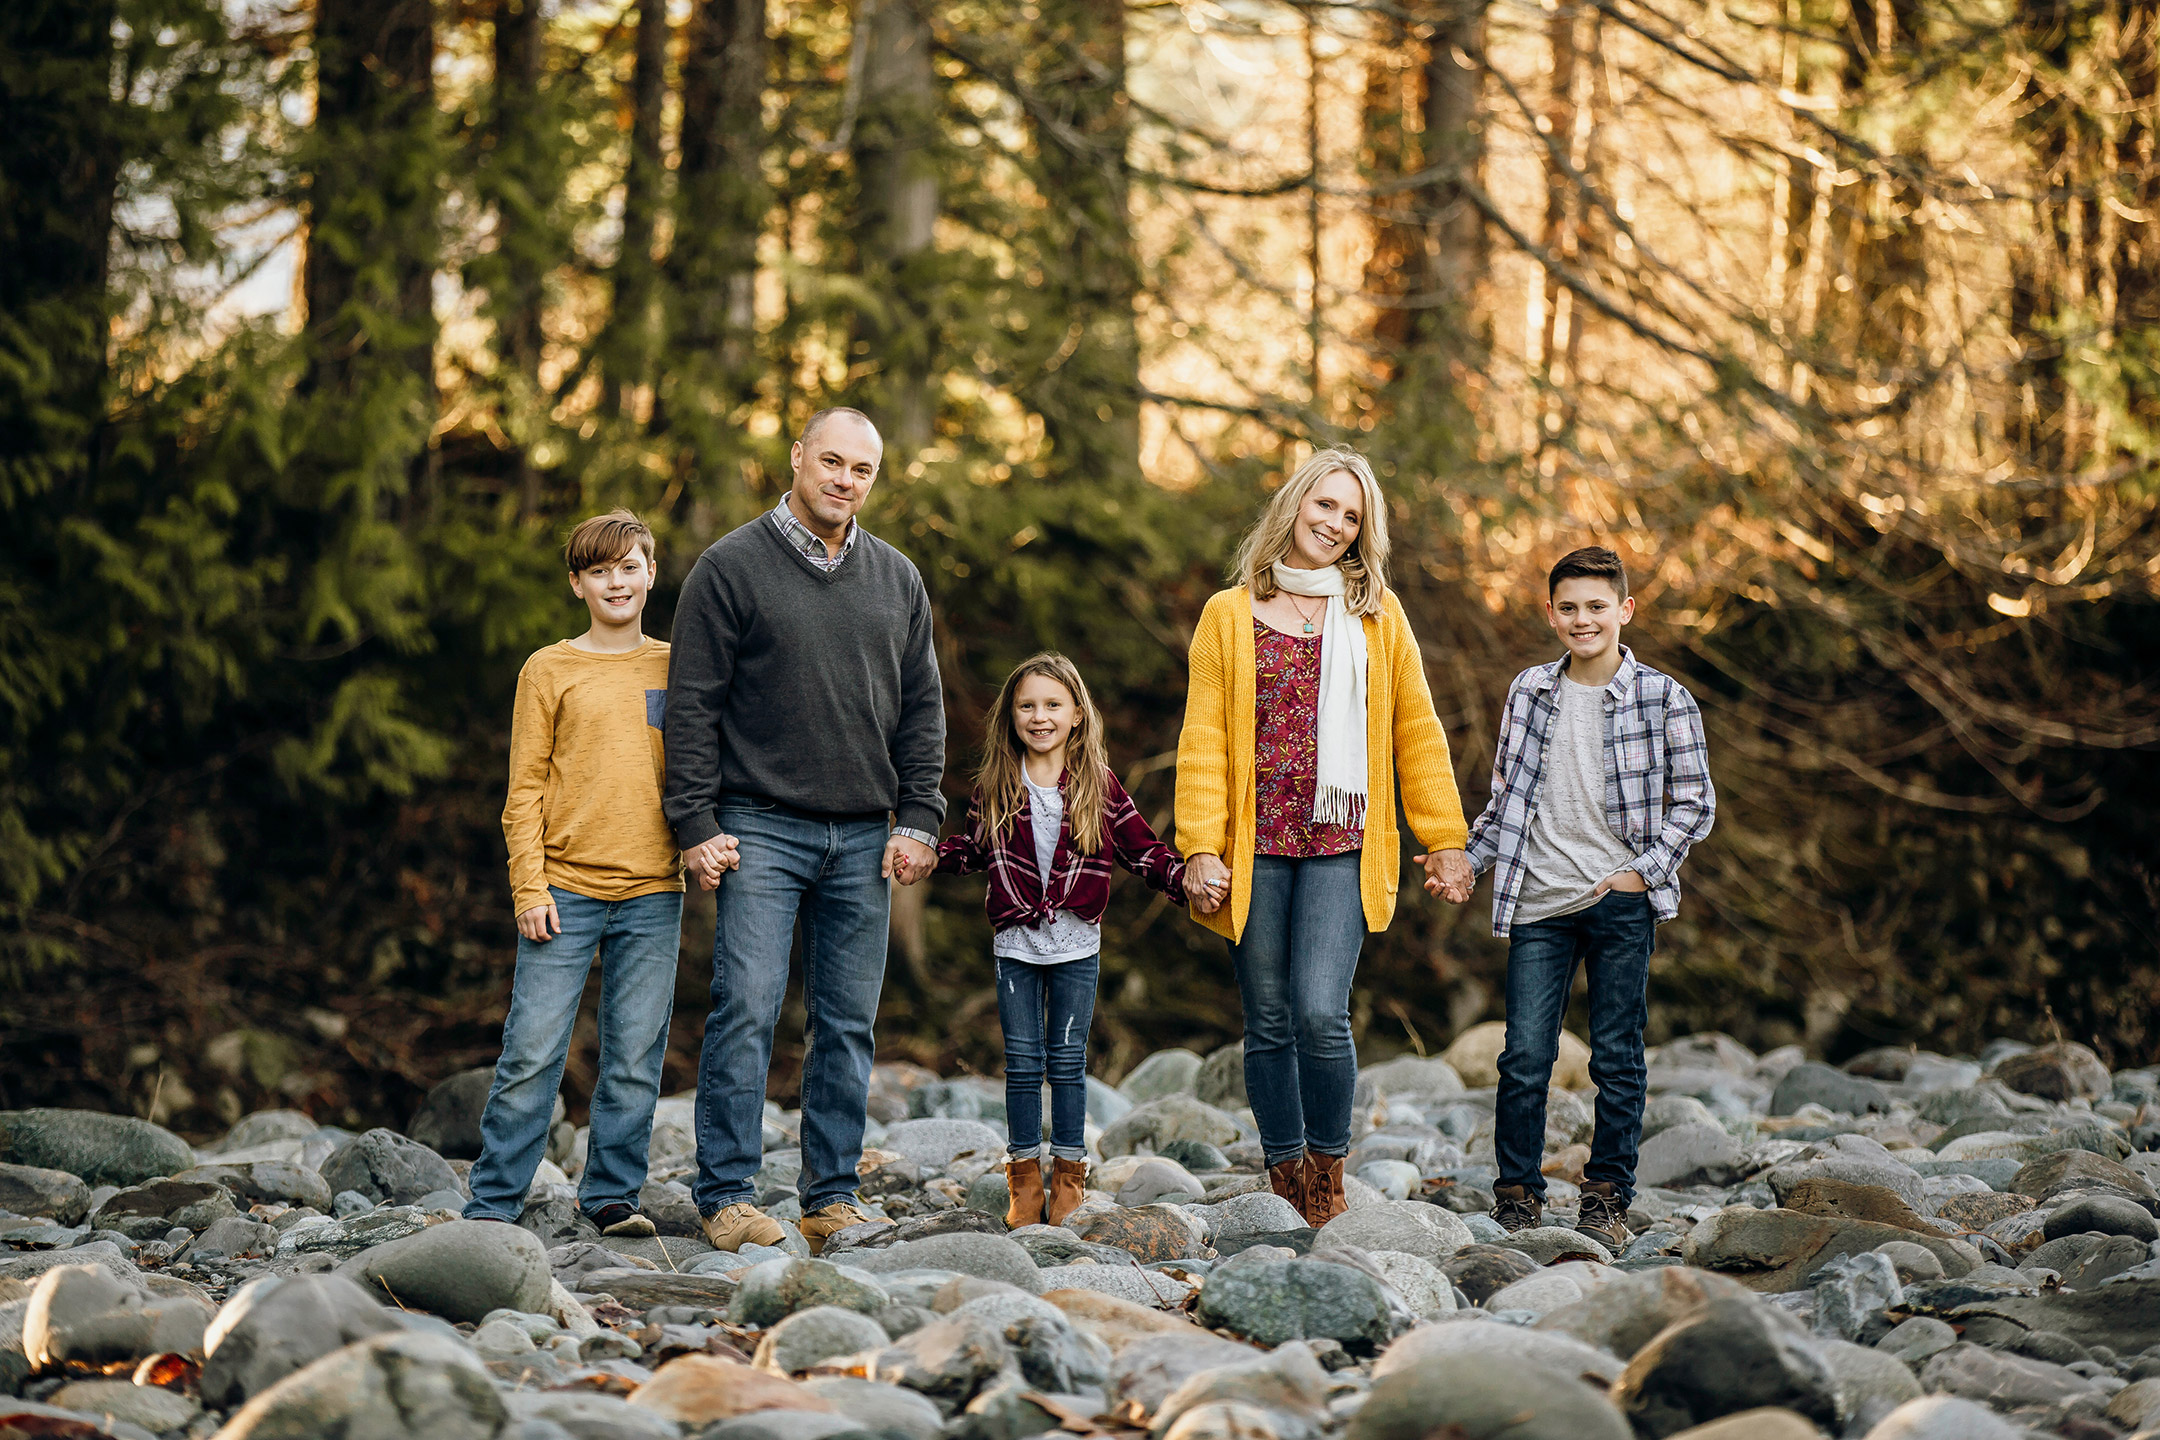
(1592, 562)
(604, 539)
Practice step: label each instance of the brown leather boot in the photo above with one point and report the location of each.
(1025, 1179)
(1324, 1198)
(1068, 1184)
(1288, 1181)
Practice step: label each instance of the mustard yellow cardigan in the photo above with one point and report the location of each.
(1216, 797)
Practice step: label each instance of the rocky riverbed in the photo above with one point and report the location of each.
(1912, 1247)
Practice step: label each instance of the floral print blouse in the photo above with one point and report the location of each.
(1286, 756)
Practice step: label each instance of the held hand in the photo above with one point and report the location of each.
(1448, 875)
(908, 860)
(1627, 882)
(1207, 883)
(540, 923)
(709, 861)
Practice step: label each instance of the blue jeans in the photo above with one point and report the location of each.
(1613, 939)
(826, 872)
(1294, 967)
(1046, 1011)
(638, 942)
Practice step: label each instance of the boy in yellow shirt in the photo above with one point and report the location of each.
(593, 868)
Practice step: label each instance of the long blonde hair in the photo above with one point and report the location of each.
(998, 786)
(1364, 564)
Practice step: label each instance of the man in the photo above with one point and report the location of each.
(804, 719)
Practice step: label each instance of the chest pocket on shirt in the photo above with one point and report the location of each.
(656, 708)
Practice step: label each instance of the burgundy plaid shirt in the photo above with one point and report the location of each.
(1079, 883)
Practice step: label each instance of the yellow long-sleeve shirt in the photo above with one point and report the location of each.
(1216, 805)
(586, 770)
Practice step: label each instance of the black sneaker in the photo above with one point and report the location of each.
(622, 1219)
(1516, 1208)
(1603, 1216)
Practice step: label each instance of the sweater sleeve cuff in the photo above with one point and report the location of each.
(696, 830)
(915, 815)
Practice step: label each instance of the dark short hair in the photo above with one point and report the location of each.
(604, 539)
(834, 412)
(1592, 562)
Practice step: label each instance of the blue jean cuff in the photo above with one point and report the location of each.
(1068, 1152)
(1024, 1152)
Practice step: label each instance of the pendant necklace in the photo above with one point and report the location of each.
(1308, 619)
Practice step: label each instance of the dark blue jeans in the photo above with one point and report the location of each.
(1613, 940)
(1294, 964)
(638, 942)
(825, 871)
(1045, 1011)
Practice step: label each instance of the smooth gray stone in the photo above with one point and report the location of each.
(818, 1333)
(398, 1384)
(387, 1168)
(35, 1190)
(992, 1257)
(460, 1269)
(85, 1314)
(1468, 1395)
(280, 1323)
(96, 1148)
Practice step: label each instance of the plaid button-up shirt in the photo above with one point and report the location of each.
(799, 535)
(1658, 796)
(1020, 895)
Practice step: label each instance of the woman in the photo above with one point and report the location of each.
(1307, 701)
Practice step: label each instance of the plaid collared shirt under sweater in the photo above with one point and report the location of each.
(1658, 796)
(1080, 883)
(799, 535)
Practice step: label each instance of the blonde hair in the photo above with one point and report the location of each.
(1364, 564)
(999, 790)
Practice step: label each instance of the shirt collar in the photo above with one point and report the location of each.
(804, 539)
(1619, 687)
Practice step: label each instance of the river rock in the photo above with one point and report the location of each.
(147, 1212)
(1996, 1378)
(1271, 1301)
(1475, 1056)
(1553, 1244)
(582, 1415)
(387, 1168)
(818, 1333)
(96, 1148)
(1427, 1079)
(1695, 1154)
(1730, 1355)
(406, 1383)
(1624, 1314)
(1426, 1231)
(1809, 1083)
(154, 1409)
(1469, 1396)
(1149, 1367)
(1497, 1345)
(1914, 1341)
(1221, 1080)
(460, 1269)
(1775, 1251)
(951, 1360)
(935, 1143)
(278, 1324)
(1156, 1178)
(1146, 1129)
(1116, 1322)
(1166, 1072)
(1480, 1271)
(1156, 1232)
(878, 1407)
(233, 1238)
(1980, 1210)
(700, 1390)
(992, 1257)
(2102, 1214)
(85, 1314)
(33, 1190)
(1419, 1282)
(448, 1120)
(2062, 1071)
(1287, 1382)
(2065, 1170)
(775, 1289)
(1870, 1382)
(265, 1182)
(1943, 1417)
(1242, 1219)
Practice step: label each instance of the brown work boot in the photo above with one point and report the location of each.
(1516, 1208)
(1024, 1179)
(1068, 1184)
(1603, 1216)
(1324, 1198)
(821, 1225)
(740, 1224)
(1288, 1181)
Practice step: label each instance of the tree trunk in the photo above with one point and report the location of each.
(1089, 393)
(518, 189)
(371, 241)
(1571, 121)
(892, 141)
(1422, 153)
(721, 203)
(627, 366)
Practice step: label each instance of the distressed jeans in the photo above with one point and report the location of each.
(1046, 1011)
(1613, 940)
(1294, 964)
(826, 871)
(638, 942)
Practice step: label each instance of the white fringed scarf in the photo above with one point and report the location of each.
(1339, 797)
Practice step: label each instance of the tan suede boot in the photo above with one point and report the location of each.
(1068, 1183)
(1288, 1181)
(1024, 1177)
(1324, 1198)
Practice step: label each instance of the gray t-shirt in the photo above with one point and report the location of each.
(1064, 936)
(1570, 847)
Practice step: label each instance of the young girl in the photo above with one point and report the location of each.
(1045, 819)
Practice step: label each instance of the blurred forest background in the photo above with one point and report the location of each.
(320, 323)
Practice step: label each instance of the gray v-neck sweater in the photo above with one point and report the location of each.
(816, 689)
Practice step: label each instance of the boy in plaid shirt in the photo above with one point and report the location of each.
(1601, 784)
